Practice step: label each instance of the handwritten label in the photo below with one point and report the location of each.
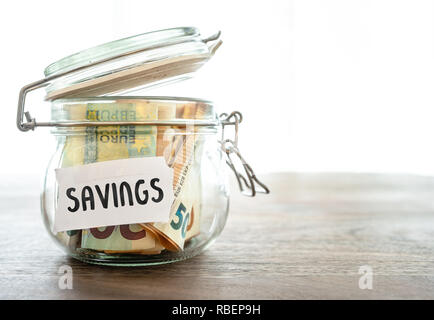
(127, 191)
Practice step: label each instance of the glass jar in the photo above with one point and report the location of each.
(136, 180)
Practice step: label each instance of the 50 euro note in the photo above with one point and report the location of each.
(106, 143)
(184, 156)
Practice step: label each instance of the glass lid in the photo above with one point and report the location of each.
(132, 63)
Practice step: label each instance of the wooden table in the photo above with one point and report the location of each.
(306, 240)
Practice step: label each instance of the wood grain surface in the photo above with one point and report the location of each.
(306, 240)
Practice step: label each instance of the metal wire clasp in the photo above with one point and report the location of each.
(26, 122)
(249, 183)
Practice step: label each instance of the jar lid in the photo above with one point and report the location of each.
(133, 63)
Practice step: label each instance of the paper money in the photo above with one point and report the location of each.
(72, 155)
(106, 143)
(118, 238)
(184, 221)
(173, 234)
(166, 111)
(182, 150)
(193, 227)
(119, 142)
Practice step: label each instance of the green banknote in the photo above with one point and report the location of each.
(130, 238)
(105, 143)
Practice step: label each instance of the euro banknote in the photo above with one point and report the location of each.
(182, 150)
(184, 219)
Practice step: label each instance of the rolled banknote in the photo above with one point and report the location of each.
(184, 219)
(172, 235)
(193, 227)
(166, 111)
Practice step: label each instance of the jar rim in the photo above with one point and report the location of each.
(132, 110)
(138, 98)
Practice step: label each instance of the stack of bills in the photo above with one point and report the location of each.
(181, 147)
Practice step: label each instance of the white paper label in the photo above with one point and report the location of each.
(117, 192)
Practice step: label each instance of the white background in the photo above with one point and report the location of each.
(323, 85)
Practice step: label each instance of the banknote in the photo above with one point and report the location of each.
(193, 227)
(173, 234)
(166, 111)
(181, 147)
(121, 141)
(106, 143)
(118, 238)
(184, 221)
(72, 155)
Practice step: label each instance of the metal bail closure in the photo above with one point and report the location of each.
(142, 61)
(247, 183)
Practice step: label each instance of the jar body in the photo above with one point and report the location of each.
(193, 153)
